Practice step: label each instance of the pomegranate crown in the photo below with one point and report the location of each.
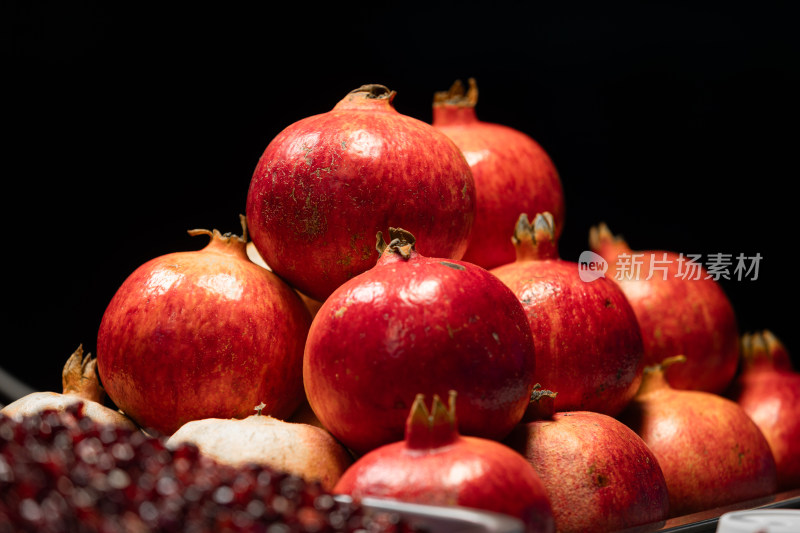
(653, 375)
(600, 237)
(537, 240)
(457, 96)
(375, 91)
(401, 242)
(227, 237)
(434, 428)
(541, 406)
(79, 376)
(763, 349)
(665, 364)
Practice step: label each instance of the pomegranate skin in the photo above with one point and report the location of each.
(300, 449)
(326, 184)
(768, 390)
(599, 475)
(512, 174)
(711, 453)
(575, 324)
(311, 304)
(202, 334)
(418, 324)
(677, 316)
(445, 468)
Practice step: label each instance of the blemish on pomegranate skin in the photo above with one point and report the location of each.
(452, 265)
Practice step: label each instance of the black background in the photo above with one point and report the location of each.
(675, 123)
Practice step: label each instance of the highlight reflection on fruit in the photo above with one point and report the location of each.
(203, 334)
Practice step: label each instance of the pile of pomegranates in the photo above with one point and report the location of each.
(391, 261)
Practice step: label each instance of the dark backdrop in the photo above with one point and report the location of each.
(675, 123)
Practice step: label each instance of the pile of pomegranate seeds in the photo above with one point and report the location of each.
(59, 471)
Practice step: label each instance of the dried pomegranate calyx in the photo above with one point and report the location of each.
(763, 349)
(653, 375)
(374, 90)
(401, 242)
(457, 95)
(79, 377)
(227, 237)
(535, 241)
(542, 405)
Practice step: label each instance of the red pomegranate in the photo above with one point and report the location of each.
(414, 323)
(587, 339)
(79, 385)
(306, 451)
(599, 475)
(680, 311)
(203, 334)
(326, 184)
(512, 173)
(768, 389)
(436, 465)
(711, 453)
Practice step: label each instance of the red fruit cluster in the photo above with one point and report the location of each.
(210, 334)
(62, 472)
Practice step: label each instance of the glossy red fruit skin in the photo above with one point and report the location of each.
(587, 339)
(711, 453)
(202, 334)
(678, 316)
(327, 183)
(599, 475)
(768, 389)
(418, 325)
(445, 468)
(513, 174)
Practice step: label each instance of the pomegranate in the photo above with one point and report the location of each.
(599, 475)
(768, 389)
(576, 324)
(512, 173)
(80, 385)
(414, 323)
(711, 453)
(203, 334)
(436, 465)
(327, 183)
(252, 253)
(303, 450)
(680, 311)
